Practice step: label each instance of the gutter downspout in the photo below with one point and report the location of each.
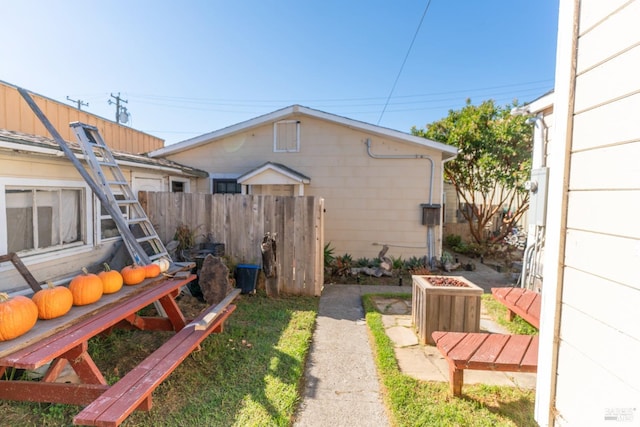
(430, 240)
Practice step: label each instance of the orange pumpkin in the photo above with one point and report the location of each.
(163, 263)
(151, 270)
(133, 274)
(86, 288)
(17, 316)
(53, 301)
(111, 280)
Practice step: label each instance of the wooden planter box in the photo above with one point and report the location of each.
(444, 308)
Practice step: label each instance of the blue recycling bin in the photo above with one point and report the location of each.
(247, 277)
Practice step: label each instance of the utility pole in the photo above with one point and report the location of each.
(79, 102)
(118, 100)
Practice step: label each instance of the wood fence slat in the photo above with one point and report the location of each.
(241, 221)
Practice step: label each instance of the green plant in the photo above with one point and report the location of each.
(397, 263)
(453, 240)
(328, 254)
(414, 262)
(363, 262)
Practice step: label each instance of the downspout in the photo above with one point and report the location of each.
(430, 239)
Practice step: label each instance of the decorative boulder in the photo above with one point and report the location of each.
(214, 279)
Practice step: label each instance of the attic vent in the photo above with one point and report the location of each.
(286, 136)
(430, 214)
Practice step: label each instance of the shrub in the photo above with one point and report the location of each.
(453, 240)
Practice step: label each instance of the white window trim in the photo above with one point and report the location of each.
(98, 221)
(275, 136)
(185, 181)
(87, 220)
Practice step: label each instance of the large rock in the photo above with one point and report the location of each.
(214, 279)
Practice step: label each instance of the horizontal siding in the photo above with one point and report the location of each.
(615, 308)
(597, 340)
(584, 393)
(614, 258)
(594, 51)
(616, 167)
(592, 12)
(616, 205)
(611, 80)
(606, 125)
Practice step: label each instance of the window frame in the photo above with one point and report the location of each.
(86, 220)
(227, 181)
(276, 148)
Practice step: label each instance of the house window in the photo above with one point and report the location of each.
(221, 186)
(108, 227)
(41, 218)
(178, 185)
(286, 136)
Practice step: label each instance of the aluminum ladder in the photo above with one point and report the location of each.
(137, 231)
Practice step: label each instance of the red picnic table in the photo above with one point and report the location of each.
(64, 341)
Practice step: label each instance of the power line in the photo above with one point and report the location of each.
(79, 102)
(404, 61)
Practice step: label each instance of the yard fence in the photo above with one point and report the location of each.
(242, 221)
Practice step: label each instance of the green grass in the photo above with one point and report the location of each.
(250, 375)
(498, 313)
(420, 403)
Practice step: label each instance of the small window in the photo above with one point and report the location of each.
(177, 187)
(222, 186)
(286, 136)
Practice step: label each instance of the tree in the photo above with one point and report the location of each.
(493, 163)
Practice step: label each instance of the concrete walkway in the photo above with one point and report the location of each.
(342, 387)
(341, 383)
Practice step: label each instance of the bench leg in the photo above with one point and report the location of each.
(456, 379)
(510, 315)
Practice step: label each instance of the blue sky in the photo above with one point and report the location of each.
(191, 67)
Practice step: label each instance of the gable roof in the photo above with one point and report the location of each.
(13, 140)
(447, 150)
(279, 169)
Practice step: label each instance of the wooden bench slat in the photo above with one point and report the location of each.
(523, 302)
(489, 351)
(513, 352)
(466, 348)
(116, 404)
(530, 360)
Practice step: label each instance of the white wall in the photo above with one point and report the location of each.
(590, 331)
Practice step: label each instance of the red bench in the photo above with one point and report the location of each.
(133, 391)
(520, 301)
(497, 352)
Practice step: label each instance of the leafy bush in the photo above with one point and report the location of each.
(453, 240)
(328, 254)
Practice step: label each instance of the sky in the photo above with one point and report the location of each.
(191, 67)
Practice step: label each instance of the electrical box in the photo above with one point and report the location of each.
(430, 214)
(538, 196)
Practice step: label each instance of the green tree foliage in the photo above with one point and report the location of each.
(493, 163)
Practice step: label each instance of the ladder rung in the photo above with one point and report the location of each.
(110, 164)
(126, 201)
(148, 238)
(158, 256)
(137, 220)
(117, 183)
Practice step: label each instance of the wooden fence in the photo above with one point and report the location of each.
(241, 222)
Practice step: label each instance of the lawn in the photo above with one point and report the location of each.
(425, 403)
(250, 375)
